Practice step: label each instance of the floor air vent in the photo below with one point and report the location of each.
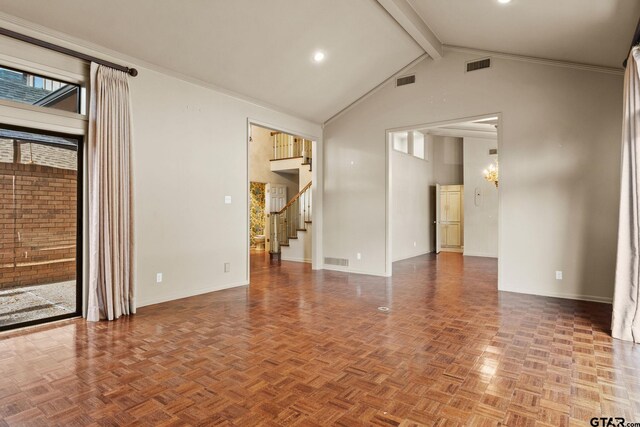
(343, 262)
(479, 64)
(406, 80)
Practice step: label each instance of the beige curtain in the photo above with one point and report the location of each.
(111, 286)
(625, 323)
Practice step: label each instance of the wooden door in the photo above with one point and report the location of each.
(450, 210)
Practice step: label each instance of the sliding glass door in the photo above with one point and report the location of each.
(40, 226)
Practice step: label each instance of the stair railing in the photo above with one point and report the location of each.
(287, 146)
(293, 217)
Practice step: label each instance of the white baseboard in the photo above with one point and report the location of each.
(186, 294)
(590, 298)
(348, 270)
(480, 254)
(307, 260)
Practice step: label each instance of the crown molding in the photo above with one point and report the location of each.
(47, 34)
(536, 60)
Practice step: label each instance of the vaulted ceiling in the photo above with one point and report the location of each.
(261, 49)
(585, 31)
(264, 49)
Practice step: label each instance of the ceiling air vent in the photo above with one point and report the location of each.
(406, 80)
(493, 151)
(343, 262)
(478, 65)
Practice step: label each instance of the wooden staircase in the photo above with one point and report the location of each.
(293, 218)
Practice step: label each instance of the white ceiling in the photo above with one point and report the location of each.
(594, 32)
(261, 49)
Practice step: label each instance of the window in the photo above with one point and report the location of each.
(26, 88)
(400, 141)
(411, 143)
(418, 145)
(40, 248)
(40, 185)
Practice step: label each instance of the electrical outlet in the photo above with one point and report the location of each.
(227, 267)
(158, 277)
(227, 200)
(415, 244)
(359, 255)
(558, 275)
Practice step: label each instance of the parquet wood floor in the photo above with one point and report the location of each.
(304, 348)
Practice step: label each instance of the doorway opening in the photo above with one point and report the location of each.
(40, 217)
(443, 190)
(281, 190)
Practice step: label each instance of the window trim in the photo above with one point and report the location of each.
(22, 63)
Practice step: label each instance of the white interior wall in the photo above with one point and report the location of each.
(480, 199)
(560, 145)
(305, 176)
(413, 193)
(447, 160)
(189, 151)
(412, 204)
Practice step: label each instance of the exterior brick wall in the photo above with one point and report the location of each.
(38, 219)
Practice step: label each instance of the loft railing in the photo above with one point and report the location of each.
(287, 146)
(294, 217)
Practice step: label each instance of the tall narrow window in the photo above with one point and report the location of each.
(400, 141)
(40, 181)
(418, 145)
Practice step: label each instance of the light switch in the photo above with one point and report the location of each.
(227, 200)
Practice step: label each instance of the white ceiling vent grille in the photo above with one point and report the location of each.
(406, 80)
(343, 262)
(478, 65)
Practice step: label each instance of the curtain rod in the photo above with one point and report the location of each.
(634, 42)
(14, 35)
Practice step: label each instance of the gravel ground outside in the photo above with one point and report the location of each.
(25, 303)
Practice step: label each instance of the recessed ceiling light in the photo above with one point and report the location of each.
(504, 1)
(318, 56)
